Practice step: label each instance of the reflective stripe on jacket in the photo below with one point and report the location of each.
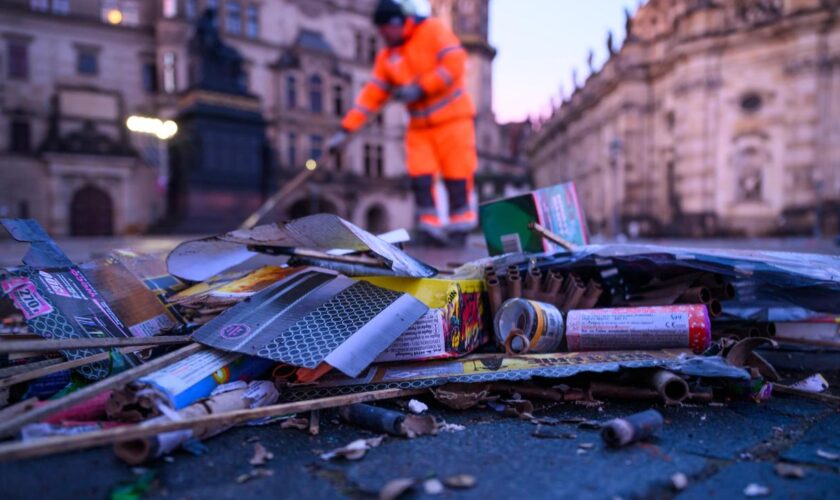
(432, 57)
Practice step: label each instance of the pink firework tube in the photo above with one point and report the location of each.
(629, 328)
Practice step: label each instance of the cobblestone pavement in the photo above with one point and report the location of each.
(721, 450)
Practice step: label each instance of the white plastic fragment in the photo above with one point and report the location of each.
(814, 383)
(417, 407)
(679, 481)
(756, 490)
(433, 486)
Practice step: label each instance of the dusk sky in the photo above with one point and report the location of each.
(540, 42)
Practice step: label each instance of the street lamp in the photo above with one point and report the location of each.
(162, 130)
(616, 148)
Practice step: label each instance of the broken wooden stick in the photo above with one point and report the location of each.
(14, 424)
(59, 444)
(53, 345)
(66, 365)
(550, 236)
(270, 203)
(819, 396)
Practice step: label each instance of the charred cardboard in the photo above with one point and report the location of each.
(479, 368)
(57, 299)
(198, 260)
(312, 318)
(454, 326)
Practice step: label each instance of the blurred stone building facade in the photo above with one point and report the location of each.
(714, 117)
(73, 71)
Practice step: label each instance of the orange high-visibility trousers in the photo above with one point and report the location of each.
(446, 150)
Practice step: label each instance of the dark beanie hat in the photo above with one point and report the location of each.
(387, 11)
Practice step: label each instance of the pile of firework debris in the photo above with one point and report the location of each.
(151, 352)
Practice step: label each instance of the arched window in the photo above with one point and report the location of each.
(338, 100)
(252, 22)
(234, 18)
(291, 92)
(316, 94)
(376, 219)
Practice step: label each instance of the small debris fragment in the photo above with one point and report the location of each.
(546, 432)
(521, 408)
(590, 424)
(314, 423)
(460, 396)
(255, 473)
(828, 455)
(396, 487)
(679, 481)
(295, 423)
(419, 425)
(460, 481)
(134, 490)
(261, 455)
(433, 486)
(586, 446)
(445, 427)
(814, 383)
(756, 490)
(417, 407)
(789, 470)
(355, 450)
(545, 421)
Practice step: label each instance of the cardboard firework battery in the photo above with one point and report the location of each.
(185, 382)
(557, 208)
(660, 327)
(57, 299)
(454, 325)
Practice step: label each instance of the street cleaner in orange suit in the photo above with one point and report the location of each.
(423, 66)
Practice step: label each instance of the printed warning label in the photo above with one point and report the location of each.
(423, 339)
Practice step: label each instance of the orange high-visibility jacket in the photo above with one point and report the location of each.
(433, 58)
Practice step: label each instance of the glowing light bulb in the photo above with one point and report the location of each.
(311, 164)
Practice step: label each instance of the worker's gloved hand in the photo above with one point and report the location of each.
(408, 93)
(338, 141)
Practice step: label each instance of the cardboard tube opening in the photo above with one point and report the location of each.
(676, 390)
(134, 452)
(728, 291)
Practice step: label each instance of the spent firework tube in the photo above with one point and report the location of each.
(660, 327)
(637, 427)
(523, 325)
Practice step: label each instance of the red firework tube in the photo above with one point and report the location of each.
(630, 328)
